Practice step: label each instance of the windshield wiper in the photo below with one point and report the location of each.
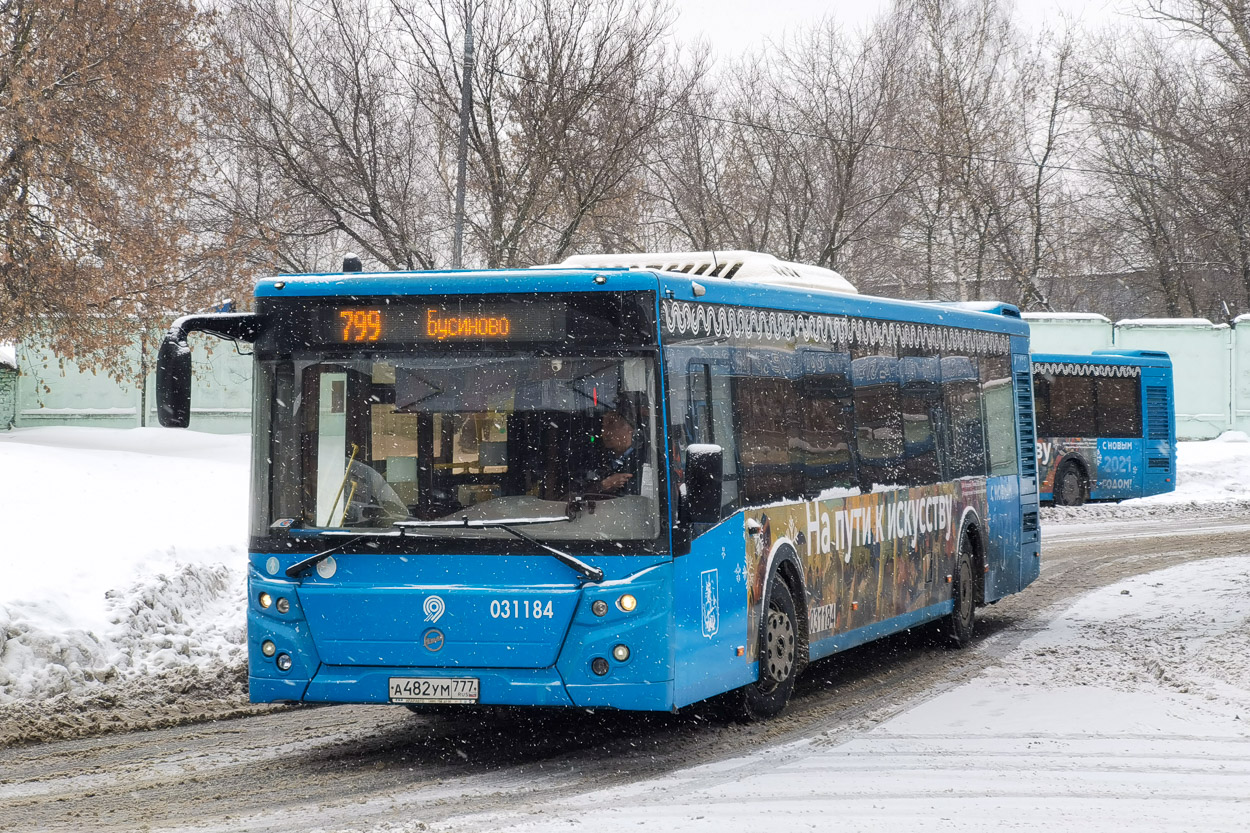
(313, 560)
(590, 573)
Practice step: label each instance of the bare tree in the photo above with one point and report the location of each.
(567, 97)
(320, 146)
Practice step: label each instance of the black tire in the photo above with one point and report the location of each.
(779, 657)
(1069, 488)
(963, 618)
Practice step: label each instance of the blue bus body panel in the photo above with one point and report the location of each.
(1003, 573)
(830, 645)
(451, 283)
(1159, 418)
(1119, 467)
(710, 611)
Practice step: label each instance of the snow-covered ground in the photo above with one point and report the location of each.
(1130, 712)
(124, 550)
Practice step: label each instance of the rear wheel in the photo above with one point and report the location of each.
(1069, 487)
(963, 618)
(768, 695)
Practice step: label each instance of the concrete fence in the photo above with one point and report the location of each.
(55, 392)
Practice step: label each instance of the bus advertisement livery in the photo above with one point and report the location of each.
(623, 487)
(1106, 427)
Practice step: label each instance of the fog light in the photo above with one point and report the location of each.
(599, 665)
(265, 600)
(600, 607)
(283, 605)
(620, 653)
(283, 662)
(627, 603)
(268, 648)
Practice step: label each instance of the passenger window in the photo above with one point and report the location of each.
(921, 398)
(965, 430)
(878, 420)
(1119, 407)
(823, 448)
(1000, 415)
(1071, 407)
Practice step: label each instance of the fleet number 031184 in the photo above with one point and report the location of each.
(520, 609)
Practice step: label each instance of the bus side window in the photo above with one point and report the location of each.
(766, 396)
(710, 420)
(1072, 407)
(921, 404)
(965, 428)
(701, 428)
(1119, 406)
(878, 421)
(1000, 415)
(1041, 403)
(826, 422)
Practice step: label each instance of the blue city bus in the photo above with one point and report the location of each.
(1106, 426)
(614, 487)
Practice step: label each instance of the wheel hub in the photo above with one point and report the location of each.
(780, 645)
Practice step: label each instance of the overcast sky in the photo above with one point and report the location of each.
(733, 26)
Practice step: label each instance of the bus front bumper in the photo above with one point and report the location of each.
(502, 687)
(589, 671)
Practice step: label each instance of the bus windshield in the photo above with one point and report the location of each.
(362, 443)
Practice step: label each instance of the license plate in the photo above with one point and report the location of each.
(434, 689)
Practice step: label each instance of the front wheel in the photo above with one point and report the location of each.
(963, 617)
(768, 695)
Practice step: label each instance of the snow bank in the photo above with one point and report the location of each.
(124, 556)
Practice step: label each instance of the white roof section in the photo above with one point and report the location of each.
(8, 355)
(1196, 323)
(1065, 316)
(735, 264)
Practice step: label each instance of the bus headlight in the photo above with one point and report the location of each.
(627, 603)
(268, 648)
(283, 605)
(283, 662)
(620, 653)
(265, 600)
(599, 608)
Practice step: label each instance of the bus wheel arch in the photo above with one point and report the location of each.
(1071, 486)
(783, 641)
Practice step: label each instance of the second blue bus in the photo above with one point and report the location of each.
(1106, 426)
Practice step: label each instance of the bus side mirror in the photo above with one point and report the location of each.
(173, 383)
(705, 471)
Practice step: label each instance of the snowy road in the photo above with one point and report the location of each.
(383, 769)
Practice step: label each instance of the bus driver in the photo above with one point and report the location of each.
(620, 457)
